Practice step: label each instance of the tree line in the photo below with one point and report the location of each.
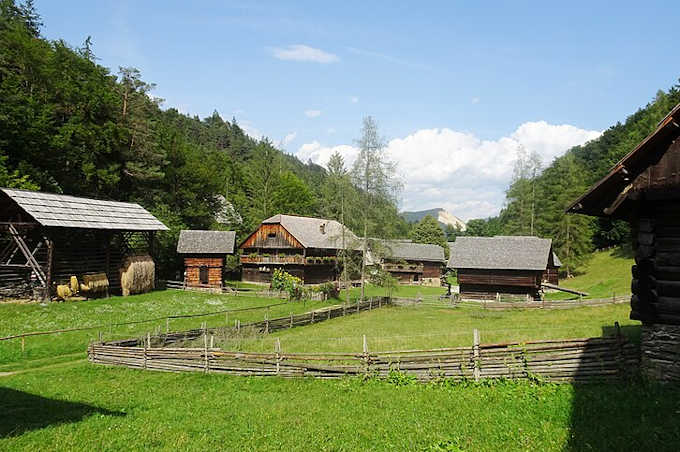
(69, 125)
(537, 197)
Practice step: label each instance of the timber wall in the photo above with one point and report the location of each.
(192, 267)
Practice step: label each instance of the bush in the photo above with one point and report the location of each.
(284, 281)
(330, 290)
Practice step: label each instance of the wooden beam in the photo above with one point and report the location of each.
(35, 266)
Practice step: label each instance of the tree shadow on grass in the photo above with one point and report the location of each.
(626, 415)
(21, 412)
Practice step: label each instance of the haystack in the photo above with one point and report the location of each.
(95, 283)
(137, 274)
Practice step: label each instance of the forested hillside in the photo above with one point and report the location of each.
(538, 196)
(69, 125)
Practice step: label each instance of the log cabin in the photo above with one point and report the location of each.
(204, 254)
(643, 188)
(413, 263)
(47, 238)
(305, 247)
(502, 265)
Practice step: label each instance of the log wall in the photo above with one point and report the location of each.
(214, 266)
(270, 236)
(656, 274)
(660, 352)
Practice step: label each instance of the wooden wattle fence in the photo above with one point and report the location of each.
(566, 360)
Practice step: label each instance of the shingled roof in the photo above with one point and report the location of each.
(400, 249)
(206, 242)
(52, 210)
(315, 232)
(500, 253)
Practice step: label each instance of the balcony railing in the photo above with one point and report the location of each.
(410, 268)
(296, 260)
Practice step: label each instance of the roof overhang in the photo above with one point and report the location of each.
(610, 195)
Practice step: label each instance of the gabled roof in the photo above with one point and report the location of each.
(206, 242)
(53, 210)
(315, 232)
(608, 194)
(500, 253)
(400, 249)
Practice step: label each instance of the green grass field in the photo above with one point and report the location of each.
(606, 274)
(69, 404)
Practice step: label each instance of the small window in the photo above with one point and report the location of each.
(271, 235)
(203, 275)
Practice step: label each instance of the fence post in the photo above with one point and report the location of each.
(144, 342)
(370, 304)
(167, 325)
(329, 313)
(312, 321)
(277, 349)
(100, 337)
(23, 344)
(212, 341)
(266, 322)
(226, 318)
(365, 356)
(475, 355)
(205, 351)
(291, 320)
(619, 343)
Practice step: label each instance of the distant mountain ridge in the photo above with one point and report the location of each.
(441, 215)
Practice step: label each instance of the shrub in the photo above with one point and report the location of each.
(284, 281)
(330, 290)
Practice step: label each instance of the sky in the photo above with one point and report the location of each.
(456, 87)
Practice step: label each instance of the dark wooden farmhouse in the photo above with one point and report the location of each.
(491, 266)
(204, 253)
(48, 238)
(413, 263)
(644, 189)
(303, 246)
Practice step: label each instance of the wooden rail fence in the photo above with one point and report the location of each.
(565, 360)
(502, 305)
(265, 326)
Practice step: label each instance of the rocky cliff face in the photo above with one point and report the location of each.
(443, 216)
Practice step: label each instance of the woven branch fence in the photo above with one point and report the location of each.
(501, 305)
(566, 360)
(265, 326)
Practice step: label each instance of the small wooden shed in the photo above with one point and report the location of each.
(204, 253)
(488, 266)
(644, 189)
(46, 238)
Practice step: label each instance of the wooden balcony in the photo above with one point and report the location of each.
(403, 268)
(286, 260)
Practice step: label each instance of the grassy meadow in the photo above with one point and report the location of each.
(607, 273)
(65, 403)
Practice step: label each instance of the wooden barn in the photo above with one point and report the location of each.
(516, 265)
(644, 189)
(48, 238)
(303, 246)
(413, 263)
(204, 253)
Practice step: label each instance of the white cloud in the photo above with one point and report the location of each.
(321, 154)
(475, 100)
(251, 130)
(354, 99)
(300, 52)
(457, 170)
(285, 141)
(312, 113)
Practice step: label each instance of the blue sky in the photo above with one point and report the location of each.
(456, 87)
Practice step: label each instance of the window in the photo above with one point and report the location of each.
(271, 235)
(203, 275)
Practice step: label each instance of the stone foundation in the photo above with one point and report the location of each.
(660, 352)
